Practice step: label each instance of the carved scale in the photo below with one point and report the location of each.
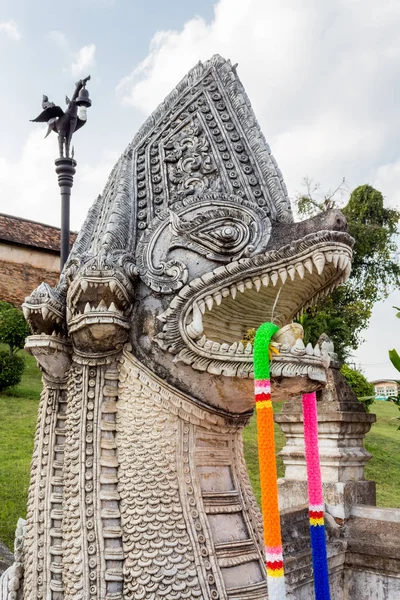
(139, 488)
(186, 466)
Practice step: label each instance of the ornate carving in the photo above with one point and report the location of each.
(91, 498)
(220, 234)
(190, 164)
(216, 226)
(44, 512)
(11, 581)
(155, 421)
(138, 485)
(73, 528)
(155, 533)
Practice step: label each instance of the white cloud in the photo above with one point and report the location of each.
(84, 60)
(323, 78)
(29, 186)
(324, 81)
(387, 180)
(80, 61)
(60, 39)
(11, 30)
(382, 336)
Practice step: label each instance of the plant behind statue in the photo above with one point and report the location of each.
(395, 359)
(13, 331)
(375, 267)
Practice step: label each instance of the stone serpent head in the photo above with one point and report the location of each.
(192, 243)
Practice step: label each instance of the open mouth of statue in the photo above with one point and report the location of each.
(214, 312)
(85, 302)
(44, 314)
(44, 319)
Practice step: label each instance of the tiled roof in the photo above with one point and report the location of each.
(29, 233)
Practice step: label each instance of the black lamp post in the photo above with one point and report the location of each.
(65, 124)
(65, 169)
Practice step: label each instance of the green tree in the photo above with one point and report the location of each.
(360, 385)
(13, 327)
(375, 269)
(13, 331)
(11, 369)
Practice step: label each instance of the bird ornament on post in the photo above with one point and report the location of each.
(65, 124)
(263, 354)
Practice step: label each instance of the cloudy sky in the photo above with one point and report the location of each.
(323, 78)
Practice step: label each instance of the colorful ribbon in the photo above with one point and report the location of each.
(267, 460)
(268, 476)
(315, 498)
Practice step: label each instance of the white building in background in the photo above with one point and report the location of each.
(385, 388)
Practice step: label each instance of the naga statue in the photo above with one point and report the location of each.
(139, 488)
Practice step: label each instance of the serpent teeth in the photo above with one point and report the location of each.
(299, 347)
(274, 278)
(308, 265)
(335, 259)
(257, 283)
(309, 350)
(283, 275)
(218, 298)
(319, 261)
(209, 301)
(343, 260)
(300, 270)
(233, 348)
(195, 328)
(291, 271)
(265, 280)
(202, 341)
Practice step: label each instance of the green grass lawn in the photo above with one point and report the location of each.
(18, 408)
(383, 441)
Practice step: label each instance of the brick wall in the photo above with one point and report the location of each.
(18, 280)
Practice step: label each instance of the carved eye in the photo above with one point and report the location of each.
(220, 234)
(228, 235)
(222, 238)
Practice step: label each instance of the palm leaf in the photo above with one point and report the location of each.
(395, 359)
